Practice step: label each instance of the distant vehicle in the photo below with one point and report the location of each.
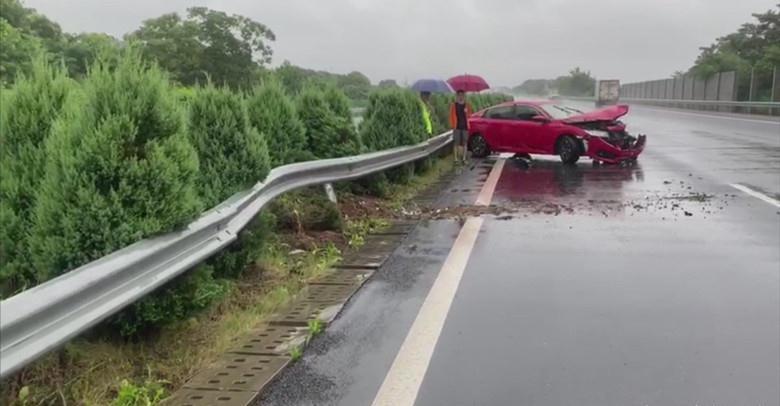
(607, 92)
(551, 128)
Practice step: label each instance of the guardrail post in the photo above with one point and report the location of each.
(717, 92)
(752, 88)
(331, 193)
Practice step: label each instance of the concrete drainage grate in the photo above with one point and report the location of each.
(327, 294)
(271, 340)
(373, 253)
(349, 277)
(302, 312)
(239, 372)
(200, 397)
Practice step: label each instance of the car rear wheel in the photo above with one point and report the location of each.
(568, 149)
(478, 146)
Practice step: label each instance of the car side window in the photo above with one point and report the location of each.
(525, 113)
(500, 113)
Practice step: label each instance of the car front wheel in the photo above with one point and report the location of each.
(568, 149)
(478, 146)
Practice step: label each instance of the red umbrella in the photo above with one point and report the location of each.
(468, 83)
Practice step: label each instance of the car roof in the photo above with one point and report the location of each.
(526, 102)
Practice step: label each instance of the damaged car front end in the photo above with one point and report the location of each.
(604, 138)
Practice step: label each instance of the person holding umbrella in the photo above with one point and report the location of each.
(459, 122)
(460, 110)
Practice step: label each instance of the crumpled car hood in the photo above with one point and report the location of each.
(610, 113)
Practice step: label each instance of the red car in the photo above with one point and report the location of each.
(551, 128)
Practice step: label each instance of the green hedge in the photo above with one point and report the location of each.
(27, 112)
(393, 118)
(338, 103)
(92, 167)
(119, 168)
(233, 154)
(273, 113)
(328, 135)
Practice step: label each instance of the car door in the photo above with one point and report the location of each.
(498, 120)
(523, 132)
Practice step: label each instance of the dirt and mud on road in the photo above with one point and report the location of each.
(675, 204)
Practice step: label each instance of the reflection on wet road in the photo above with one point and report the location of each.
(653, 284)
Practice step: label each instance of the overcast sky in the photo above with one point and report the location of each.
(506, 41)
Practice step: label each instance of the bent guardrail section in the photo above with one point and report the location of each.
(41, 319)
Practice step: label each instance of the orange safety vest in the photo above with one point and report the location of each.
(454, 116)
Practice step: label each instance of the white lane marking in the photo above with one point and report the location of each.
(749, 120)
(757, 195)
(403, 380)
(486, 194)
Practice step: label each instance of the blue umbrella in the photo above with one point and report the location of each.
(432, 86)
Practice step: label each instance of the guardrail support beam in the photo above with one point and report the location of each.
(331, 193)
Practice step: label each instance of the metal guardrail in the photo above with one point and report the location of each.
(707, 103)
(698, 103)
(41, 319)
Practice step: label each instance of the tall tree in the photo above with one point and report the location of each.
(22, 32)
(537, 87)
(386, 83)
(81, 50)
(355, 85)
(753, 45)
(227, 49)
(577, 83)
(15, 50)
(753, 51)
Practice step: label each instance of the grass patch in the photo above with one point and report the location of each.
(151, 392)
(356, 230)
(296, 353)
(315, 328)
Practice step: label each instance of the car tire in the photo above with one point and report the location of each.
(478, 146)
(568, 149)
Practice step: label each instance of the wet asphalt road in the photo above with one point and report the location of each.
(657, 284)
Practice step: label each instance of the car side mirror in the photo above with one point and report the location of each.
(540, 119)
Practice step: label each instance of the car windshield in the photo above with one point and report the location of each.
(559, 111)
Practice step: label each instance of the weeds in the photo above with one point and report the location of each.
(150, 393)
(326, 257)
(24, 395)
(296, 353)
(356, 230)
(315, 328)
